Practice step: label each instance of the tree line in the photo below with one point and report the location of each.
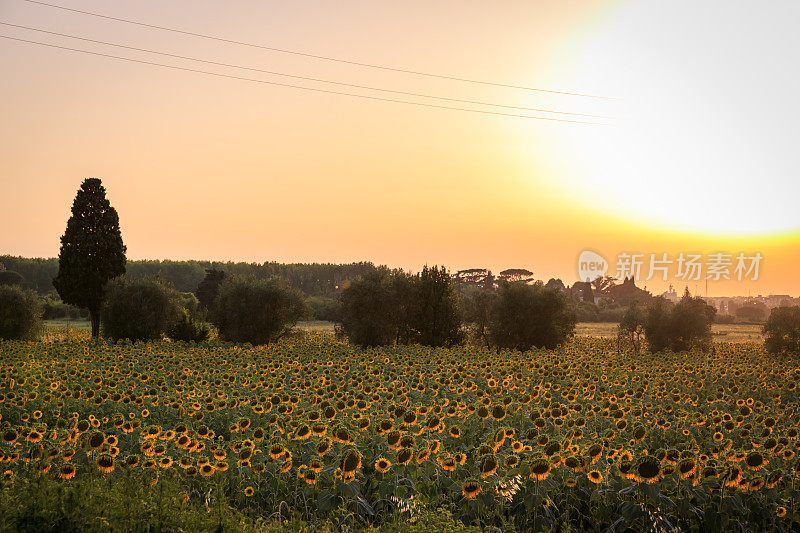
(374, 305)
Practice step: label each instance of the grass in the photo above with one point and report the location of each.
(722, 332)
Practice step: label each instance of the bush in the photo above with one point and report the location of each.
(369, 309)
(385, 307)
(189, 328)
(208, 289)
(142, 309)
(54, 308)
(20, 314)
(9, 277)
(435, 313)
(530, 315)
(477, 302)
(782, 331)
(255, 310)
(680, 327)
(323, 308)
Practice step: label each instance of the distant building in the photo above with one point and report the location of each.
(671, 294)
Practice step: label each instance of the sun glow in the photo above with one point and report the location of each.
(706, 135)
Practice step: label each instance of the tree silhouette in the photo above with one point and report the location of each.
(92, 251)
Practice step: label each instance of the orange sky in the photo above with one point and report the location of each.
(207, 168)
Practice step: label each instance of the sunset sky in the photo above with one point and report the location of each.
(698, 154)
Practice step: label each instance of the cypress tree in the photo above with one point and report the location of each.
(92, 251)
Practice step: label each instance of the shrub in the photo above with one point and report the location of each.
(323, 308)
(679, 327)
(782, 331)
(255, 310)
(20, 314)
(141, 309)
(477, 302)
(369, 309)
(208, 289)
(435, 313)
(190, 323)
(9, 277)
(53, 308)
(525, 315)
(188, 327)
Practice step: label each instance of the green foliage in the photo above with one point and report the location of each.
(20, 314)
(256, 311)
(385, 307)
(631, 327)
(92, 252)
(680, 327)
(323, 308)
(369, 309)
(782, 331)
(53, 308)
(314, 279)
(435, 313)
(9, 277)
(190, 324)
(141, 309)
(525, 316)
(756, 312)
(208, 289)
(477, 302)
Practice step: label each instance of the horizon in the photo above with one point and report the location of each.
(567, 282)
(207, 166)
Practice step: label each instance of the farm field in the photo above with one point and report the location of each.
(313, 432)
(721, 332)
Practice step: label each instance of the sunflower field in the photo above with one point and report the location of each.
(314, 433)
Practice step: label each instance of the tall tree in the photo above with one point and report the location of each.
(436, 315)
(92, 251)
(208, 289)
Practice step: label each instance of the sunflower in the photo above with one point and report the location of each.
(276, 451)
(105, 463)
(165, 462)
(249, 491)
(460, 458)
(206, 470)
(755, 461)
(732, 476)
(10, 437)
(488, 465)
(780, 512)
(323, 447)
(471, 489)
(67, 471)
(571, 482)
(96, 440)
(540, 469)
(382, 465)
(310, 477)
(595, 476)
(687, 467)
(404, 456)
(351, 462)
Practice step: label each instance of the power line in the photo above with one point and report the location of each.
(406, 93)
(378, 98)
(315, 56)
